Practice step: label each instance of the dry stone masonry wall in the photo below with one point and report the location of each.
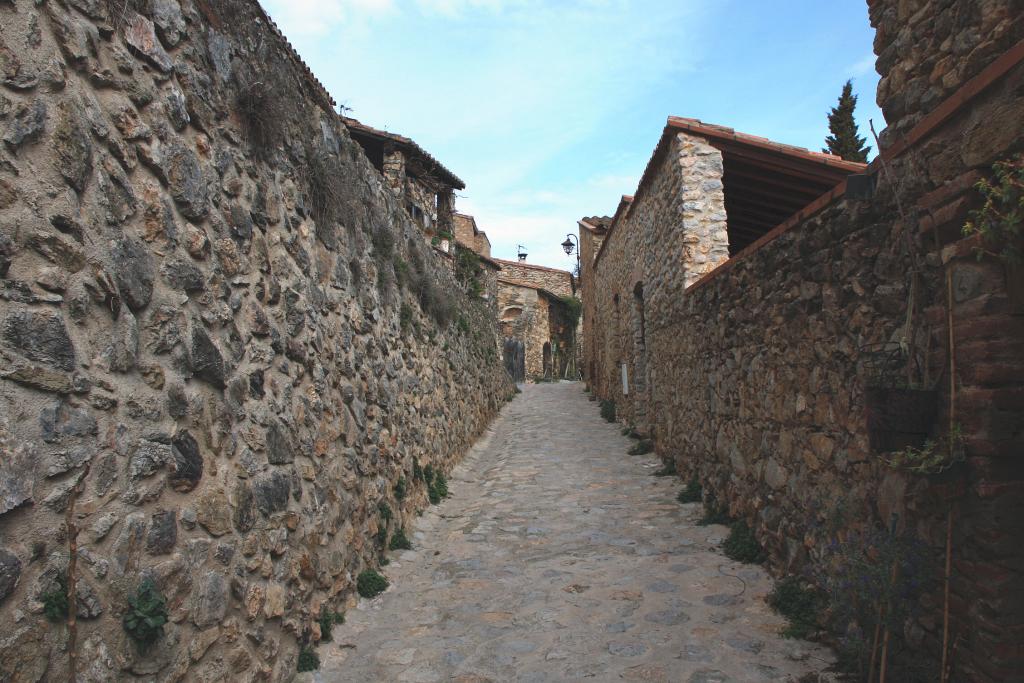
(928, 48)
(753, 380)
(208, 366)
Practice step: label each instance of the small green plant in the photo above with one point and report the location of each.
(55, 601)
(309, 660)
(1000, 220)
(714, 512)
(573, 311)
(608, 410)
(625, 430)
(327, 620)
(399, 541)
(385, 511)
(935, 457)
(800, 603)
(381, 537)
(147, 613)
(441, 484)
(383, 243)
(417, 471)
(691, 494)
(403, 274)
(405, 317)
(874, 579)
(437, 488)
(400, 489)
(742, 545)
(371, 583)
(462, 324)
(668, 469)
(643, 447)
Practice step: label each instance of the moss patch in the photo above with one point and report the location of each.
(742, 545)
(370, 583)
(800, 604)
(692, 493)
(399, 541)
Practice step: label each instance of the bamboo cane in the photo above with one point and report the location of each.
(945, 602)
(874, 641)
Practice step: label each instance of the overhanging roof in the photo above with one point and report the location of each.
(765, 182)
(528, 285)
(428, 164)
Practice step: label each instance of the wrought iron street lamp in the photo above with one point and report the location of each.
(570, 244)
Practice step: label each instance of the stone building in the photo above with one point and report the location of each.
(559, 282)
(220, 344)
(535, 317)
(426, 187)
(468, 234)
(739, 308)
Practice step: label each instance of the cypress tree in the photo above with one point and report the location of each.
(844, 140)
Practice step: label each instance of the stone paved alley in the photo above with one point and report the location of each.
(559, 557)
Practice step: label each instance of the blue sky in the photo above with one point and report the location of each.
(549, 111)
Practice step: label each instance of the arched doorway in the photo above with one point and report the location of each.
(514, 355)
(547, 360)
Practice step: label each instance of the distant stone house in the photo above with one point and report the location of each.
(428, 190)
(537, 321)
(534, 317)
(427, 187)
(467, 233)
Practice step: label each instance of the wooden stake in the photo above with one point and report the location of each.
(945, 604)
(874, 641)
(885, 638)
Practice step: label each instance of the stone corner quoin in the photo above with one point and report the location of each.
(208, 361)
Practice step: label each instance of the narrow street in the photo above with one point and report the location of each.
(559, 557)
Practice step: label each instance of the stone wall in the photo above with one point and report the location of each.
(590, 243)
(555, 281)
(757, 387)
(208, 367)
(672, 233)
(928, 48)
(523, 314)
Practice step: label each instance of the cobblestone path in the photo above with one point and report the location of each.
(560, 558)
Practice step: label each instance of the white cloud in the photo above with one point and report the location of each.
(508, 94)
(862, 67)
(305, 19)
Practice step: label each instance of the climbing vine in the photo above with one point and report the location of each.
(1000, 219)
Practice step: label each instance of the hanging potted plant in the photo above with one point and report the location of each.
(900, 412)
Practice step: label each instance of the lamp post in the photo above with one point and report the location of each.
(572, 242)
